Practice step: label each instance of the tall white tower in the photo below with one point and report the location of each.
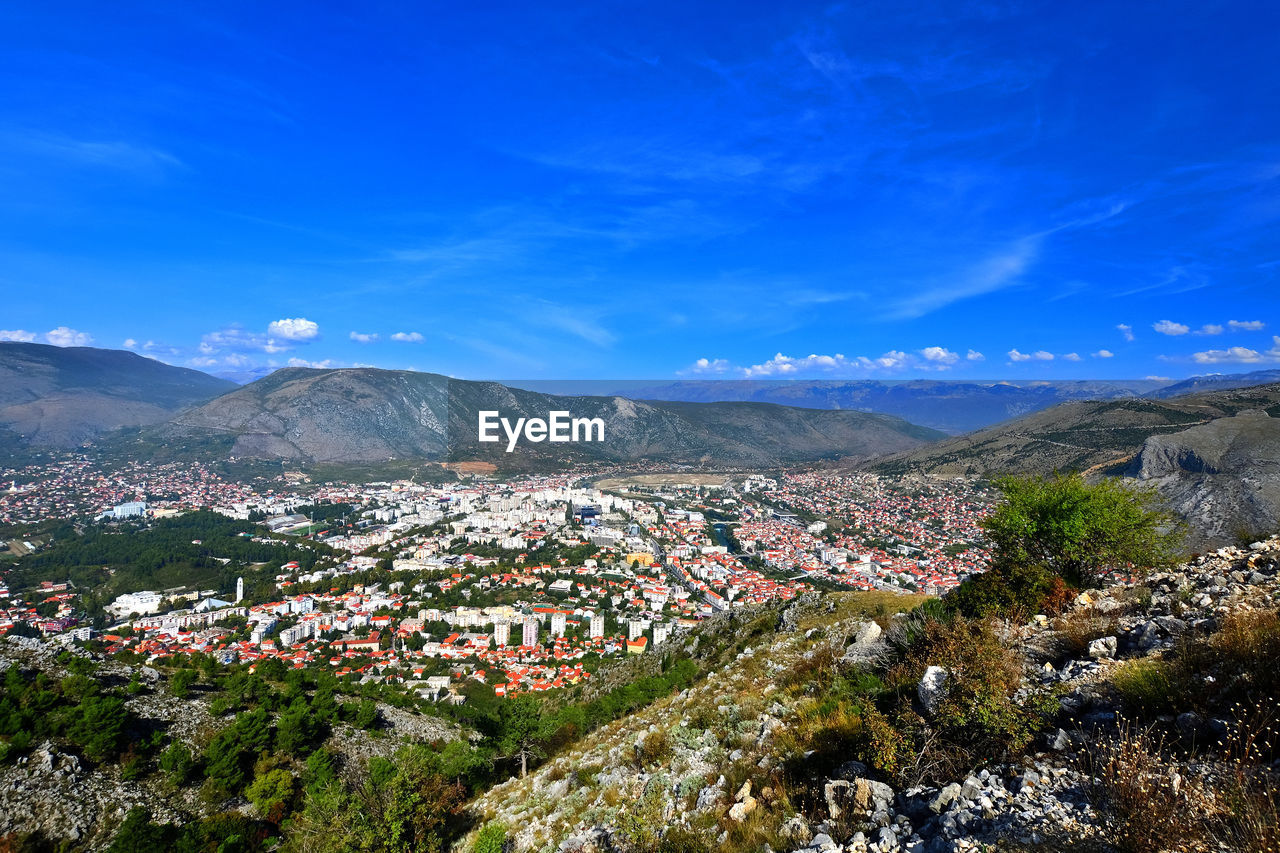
(239, 589)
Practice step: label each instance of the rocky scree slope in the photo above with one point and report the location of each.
(54, 795)
(701, 770)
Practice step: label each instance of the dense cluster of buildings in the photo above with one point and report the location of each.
(522, 584)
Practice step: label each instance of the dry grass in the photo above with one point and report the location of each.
(1078, 628)
(1153, 800)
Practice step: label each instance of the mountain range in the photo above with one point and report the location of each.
(1214, 453)
(951, 406)
(366, 415)
(64, 396)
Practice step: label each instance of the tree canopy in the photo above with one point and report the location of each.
(1078, 530)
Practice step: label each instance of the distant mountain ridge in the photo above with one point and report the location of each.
(951, 406)
(64, 396)
(365, 415)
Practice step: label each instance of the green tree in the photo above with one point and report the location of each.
(176, 763)
(296, 728)
(367, 714)
(137, 834)
(522, 730)
(1078, 530)
(180, 683)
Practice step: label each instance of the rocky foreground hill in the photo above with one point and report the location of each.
(738, 762)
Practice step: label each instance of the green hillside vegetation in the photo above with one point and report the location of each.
(104, 560)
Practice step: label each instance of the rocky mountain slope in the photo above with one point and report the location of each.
(1222, 476)
(1215, 466)
(719, 767)
(63, 396)
(368, 415)
(952, 407)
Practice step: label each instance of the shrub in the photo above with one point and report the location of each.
(978, 718)
(1078, 628)
(1146, 687)
(492, 838)
(1079, 531)
(1015, 592)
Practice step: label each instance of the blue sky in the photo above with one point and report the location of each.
(647, 190)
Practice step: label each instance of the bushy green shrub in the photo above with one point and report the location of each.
(492, 838)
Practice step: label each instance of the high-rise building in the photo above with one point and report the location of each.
(660, 633)
(530, 632)
(635, 628)
(239, 589)
(502, 633)
(597, 625)
(557, 624)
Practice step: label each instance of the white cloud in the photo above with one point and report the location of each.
(1209, 329)
(1038, 355)
(1246, 325)
(20, 335)
(302, 362)
(1104, 353)
(364, 337)
(974, 355)
(130, 343)
(64, 336)
(784, 364)
(706, 365)
(940, 356)
(408, 337)
(1072, 356)
(1159, 379)
(1168, 327)
(1126, 330)
(294, 329)
(1239, 355)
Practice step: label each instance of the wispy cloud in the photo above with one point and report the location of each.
(1126, 330)
(993, 273)
(364, 337)
(19, 335)
(113, 154)
(408, 337)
